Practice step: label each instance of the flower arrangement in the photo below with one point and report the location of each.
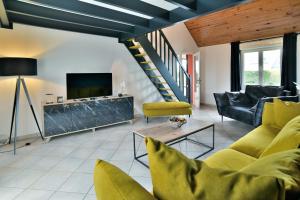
(179, 121)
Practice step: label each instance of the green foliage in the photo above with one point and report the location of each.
(251, 77)
(270, 77)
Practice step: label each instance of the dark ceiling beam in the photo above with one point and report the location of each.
(45, 12)
(4, 21)
(185, 4)
(60, 25)
(184, 13)
(85, 8)
(142, 25)
(80, 16)
(202, 7)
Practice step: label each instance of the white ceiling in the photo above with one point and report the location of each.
(162, 4)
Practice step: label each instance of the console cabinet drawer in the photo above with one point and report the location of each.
(73, 117)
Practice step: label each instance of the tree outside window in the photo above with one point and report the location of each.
(261, 66)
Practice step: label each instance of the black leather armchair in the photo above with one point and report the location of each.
(248, 107)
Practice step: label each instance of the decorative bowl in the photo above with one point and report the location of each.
(177, 122)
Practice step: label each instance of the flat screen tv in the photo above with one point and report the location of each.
(85, 85)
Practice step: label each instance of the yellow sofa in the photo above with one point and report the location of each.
(252, 146)
(159, 109)
(277, 137)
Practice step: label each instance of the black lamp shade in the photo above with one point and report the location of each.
(18, 67)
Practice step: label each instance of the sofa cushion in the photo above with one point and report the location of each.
(176, 177)
(256, 92)
(284, 165)
(284, 111)
(256, 141)
(165, 105)
(288, 138)
(229, 159)
(238, 99)
(239, 113)
(268, 118)
(112, 183)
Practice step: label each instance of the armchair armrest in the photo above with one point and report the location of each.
(287, 93)
(221, 101)
(260, 106)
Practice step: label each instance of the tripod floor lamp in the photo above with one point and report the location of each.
(19, 67)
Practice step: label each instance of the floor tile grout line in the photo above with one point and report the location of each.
(60, 170)
(77, 172)
(32, 189)
(62, 158)
(224, 133)
(88, 191)
(133, 158)
(49, 172)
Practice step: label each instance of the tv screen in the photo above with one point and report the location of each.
(87, 85)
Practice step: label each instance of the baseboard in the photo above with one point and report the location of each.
(21, 137)
(4, 138)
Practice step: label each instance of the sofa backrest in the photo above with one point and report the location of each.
(255, 92)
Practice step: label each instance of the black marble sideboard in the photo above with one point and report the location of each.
(75, 116)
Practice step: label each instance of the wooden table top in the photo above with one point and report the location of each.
(167, 132)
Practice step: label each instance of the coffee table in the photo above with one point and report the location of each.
(170, 135)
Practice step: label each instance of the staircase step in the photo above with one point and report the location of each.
(135, 47)
(131, 40)
(150, 69)
(155, 76)
(164, 89)
(140, 55)
(168, 95)
(171, 100)
(161, 83)
(146, 62)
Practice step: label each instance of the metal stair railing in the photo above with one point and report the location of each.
(169, 57)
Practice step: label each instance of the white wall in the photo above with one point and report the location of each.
(181, 39)
(215, 71)
(61, 52)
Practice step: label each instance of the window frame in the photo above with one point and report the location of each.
(260, 51)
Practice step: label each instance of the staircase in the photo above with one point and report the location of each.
(159, 61)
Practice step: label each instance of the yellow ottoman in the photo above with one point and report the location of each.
(159, 109)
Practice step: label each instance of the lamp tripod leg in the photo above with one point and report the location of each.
(31, 107)
(13, 114)
(17, 113)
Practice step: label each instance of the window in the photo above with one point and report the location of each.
(261, 64)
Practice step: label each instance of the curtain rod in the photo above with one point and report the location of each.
(255, 40)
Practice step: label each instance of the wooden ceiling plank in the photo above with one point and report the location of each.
(260, 18)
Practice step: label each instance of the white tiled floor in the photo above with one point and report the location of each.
(63, 168)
